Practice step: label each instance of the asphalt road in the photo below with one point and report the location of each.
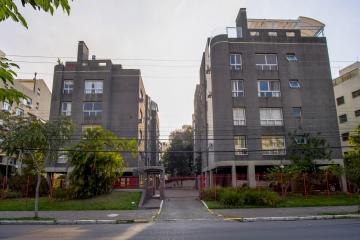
(191, 229)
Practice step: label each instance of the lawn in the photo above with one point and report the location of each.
(112, 201)
(300, 201)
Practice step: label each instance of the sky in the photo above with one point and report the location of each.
(163, 38)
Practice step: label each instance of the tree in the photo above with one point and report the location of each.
(304, 149)
(178, 158)
(8, 9)
(96, 160)
(352, 159)
(33, 141)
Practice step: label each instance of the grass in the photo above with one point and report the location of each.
(112, 201)
(300, 201)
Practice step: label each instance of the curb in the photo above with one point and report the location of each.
(71, 222)
(294, 218)
(211, 211)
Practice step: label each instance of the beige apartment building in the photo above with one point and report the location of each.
(347, 94)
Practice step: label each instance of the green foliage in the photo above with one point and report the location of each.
(303, 154)
(96, 162)
(352, 159)
(8, 9)
(178, 158)
(19, 183)
(59, 193)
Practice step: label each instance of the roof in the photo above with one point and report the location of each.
(309, 27)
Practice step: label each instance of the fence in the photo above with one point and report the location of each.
(128, 182)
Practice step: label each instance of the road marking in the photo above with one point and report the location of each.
(132, 231)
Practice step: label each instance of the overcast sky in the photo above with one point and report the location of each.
(173, 31)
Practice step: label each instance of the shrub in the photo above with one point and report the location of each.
(60, 193)
(261, 197)
(232, 198)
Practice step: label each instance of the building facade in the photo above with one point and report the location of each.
(260, 81)
(347, 96)
(100, 93)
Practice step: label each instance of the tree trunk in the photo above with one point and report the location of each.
(37, 195)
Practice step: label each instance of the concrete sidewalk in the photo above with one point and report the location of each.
(144, 214)
(282, 212)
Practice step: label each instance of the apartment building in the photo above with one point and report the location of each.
(37, 105)
(152, 134)
(99, 93)
(260, 81)
(347, 95)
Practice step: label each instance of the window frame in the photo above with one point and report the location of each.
(239, 122)
(235, 90)
(267, 121)
(68, 88)
(357, 113)
(274, 93)
(236, 65)
(93, 114)
(6, 106)
(273, 151)
(291, 57)
(19, 112)
(242, 148)
(297, 116)
(267, 66)
(355, 94)
(345, 136)
(343, 118)
(66, 112)
(296, 85)
(95, 89)
(338, 102)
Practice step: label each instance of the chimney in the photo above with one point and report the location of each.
(83, 52)
(241, 21)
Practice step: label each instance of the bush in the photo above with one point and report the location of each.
(18, 184)
(10, 194)
(261, 197)
(59, 193)
(232, 198)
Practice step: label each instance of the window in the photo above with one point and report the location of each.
(254, 34)
(357, 113)
(28, 101)
(345, 136)
(340, 100)
(235, 61)
(240, 143)
(343, 118)
(19, 112)
(294, 83)
(266, 62)
(68, 86)
(273, 145)
(237, 88)
(92, 126)
(239, 116)
(92, 110)
(272, 34)
(38, 91)
(268, 88)
(66, 108)
(291, 57)
(296, 112)
(300, 139)
(6, 106)
(356, 93)
(63, 158)
(271, 117)
(37, 105)
(93, 86)
(290, 34)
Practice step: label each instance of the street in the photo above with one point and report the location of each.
(188, 229)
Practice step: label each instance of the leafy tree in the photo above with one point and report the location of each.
(305, 149)
(96, 162)
(33, 141)
(178, 158)
(352, 159)
(283, 176)
(9, 9)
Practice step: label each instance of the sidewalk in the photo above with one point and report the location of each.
(143, 214)
(282, 212)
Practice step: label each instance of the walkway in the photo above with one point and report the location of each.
(184, 205)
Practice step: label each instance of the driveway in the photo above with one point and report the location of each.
(184, 205)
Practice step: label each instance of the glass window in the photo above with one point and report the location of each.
(343, 118)
(357, 113)
(240, 143)
(90, 126)
(92, 110)
(93, 86)
(273, 145)
(239, 116)
(290, 34)
(237, 88)
(300, 139)
(296, 112)
(271, 117)
(268, 88)
(356, 93)
(294, 83)
(235, 61)
(340, 100)
(19, 112)
(63, 157)
(6, 106)
(68, 86)
(291, 57)
(254, 34)
(266, 62)
(272, 34)
(66, 108)
(345, 136)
